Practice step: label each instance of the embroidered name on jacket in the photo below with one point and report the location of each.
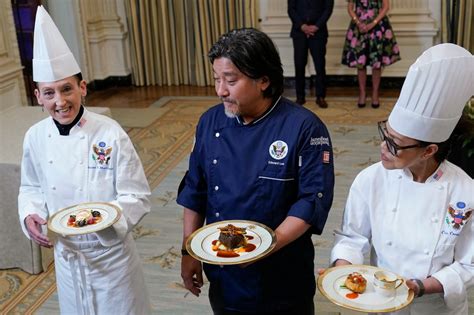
(101, 154)
(319, 141)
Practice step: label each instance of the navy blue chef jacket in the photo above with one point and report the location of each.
(277, 166)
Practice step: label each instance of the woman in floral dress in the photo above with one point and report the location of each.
(370, 41)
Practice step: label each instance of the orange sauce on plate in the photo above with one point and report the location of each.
(352, 295)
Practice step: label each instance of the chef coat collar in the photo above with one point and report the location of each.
(265, 114)
(65, 129)
(437, 174)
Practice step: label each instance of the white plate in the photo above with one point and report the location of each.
(330, 282)
(109, 213)
(199, 244)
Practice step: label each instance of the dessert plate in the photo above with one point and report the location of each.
(331, 285)
(200, 243)
(108, 212)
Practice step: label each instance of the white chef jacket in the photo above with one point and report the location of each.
(412, 231)
(96, 162)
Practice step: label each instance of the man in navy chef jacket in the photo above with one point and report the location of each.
(258, 156)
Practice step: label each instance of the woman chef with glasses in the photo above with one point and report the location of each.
(413, 209)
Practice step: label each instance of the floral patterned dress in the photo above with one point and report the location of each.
(376, 48)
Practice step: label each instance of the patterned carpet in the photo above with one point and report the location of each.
(163, 146)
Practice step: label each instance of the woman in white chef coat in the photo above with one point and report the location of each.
(414, 209)
(77, 156)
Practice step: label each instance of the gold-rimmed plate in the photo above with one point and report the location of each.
(331, 285)
(200, 243)
(108, 212)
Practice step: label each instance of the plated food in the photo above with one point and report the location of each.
(84, 218)
(356, 282)
(352, 287)
(231, 242)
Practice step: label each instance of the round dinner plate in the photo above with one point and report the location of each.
(331, 285)
(109, 213)
(199, 244)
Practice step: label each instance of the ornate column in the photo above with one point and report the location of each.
(12, 89)
(97, 35)
(106, 39)
(415, 24)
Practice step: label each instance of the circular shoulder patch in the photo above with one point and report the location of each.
(278, 149)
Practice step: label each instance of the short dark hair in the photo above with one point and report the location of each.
(254, 54)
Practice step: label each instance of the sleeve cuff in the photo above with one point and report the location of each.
(346, 253)
(453, 286)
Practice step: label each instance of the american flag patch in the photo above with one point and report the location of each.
(82, 122)
(326, 157)
(438, 175)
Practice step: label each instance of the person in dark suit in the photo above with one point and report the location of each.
(309, 31)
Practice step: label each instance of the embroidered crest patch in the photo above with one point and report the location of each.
(458, 215)
(278, 150)
(101, 153)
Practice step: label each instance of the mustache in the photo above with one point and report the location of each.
(227, 100)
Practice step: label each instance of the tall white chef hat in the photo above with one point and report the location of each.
(436, 89)
(52, 58)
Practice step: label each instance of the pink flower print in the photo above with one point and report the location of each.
(354, 42)
(379, 34)
(372, 36)
(350, 34)
(362, 59)
(353, 63)
(364, 2)
(370, 13)
(388, 34)
(386, 60)
(376, 65)
(395, 49)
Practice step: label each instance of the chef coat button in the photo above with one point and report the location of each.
(320, 195)
(217, 135)
(217, 214)
(50, 161)
(216, 187)
(440, 187)
(214, 161)
(81, 162)
(389, 243)
(434, 220)
(53, 187)
(394, 210)
(399, 176)
(427, 252)
(49, 135)
(80, 189)
(82, 137)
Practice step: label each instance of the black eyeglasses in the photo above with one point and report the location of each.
(391, 145)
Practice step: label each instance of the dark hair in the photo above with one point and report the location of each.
(443, 149)
(455, 139)
(254, 54)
